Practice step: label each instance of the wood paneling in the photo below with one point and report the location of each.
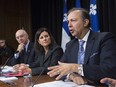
(14, 14)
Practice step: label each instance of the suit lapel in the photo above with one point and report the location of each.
(27, 53)
(89, 46)
(50, 52)
(47, 56)
(75, 52)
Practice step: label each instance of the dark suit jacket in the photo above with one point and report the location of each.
(6, 53)
(24, 57)
(100, 56)
(42, 62)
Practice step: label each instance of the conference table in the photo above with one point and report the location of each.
(19, 82)
(41, 79)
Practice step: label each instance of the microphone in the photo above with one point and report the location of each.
(35, 81)
(1, 68)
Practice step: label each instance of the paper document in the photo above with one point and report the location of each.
(60, 84)
(7, 69)
(8, 79)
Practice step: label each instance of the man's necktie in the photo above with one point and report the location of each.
(25, 50)
(25, 55)
(81, 52)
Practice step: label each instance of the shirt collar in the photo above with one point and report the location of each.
(85, 38)
(26, 46)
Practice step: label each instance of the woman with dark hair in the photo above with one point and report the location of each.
(40, 46)
(47, 53)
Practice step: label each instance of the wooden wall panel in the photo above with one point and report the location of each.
(14, 14)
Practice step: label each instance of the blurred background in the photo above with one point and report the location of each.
(33, 14)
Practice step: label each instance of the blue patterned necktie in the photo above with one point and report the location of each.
(81, 52)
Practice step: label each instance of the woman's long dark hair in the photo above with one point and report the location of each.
(37, 46)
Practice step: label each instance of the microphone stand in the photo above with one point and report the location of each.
(38, 77)
(1, 68)
(1, 74)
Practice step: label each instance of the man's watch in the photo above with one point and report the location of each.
(80, 69)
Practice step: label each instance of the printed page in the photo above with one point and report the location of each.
(60, 84)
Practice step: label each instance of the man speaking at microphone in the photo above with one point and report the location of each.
(23, 53)
(90, 56)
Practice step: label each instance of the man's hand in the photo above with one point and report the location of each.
(22, 68)
(62, 69)
(76, 78)
(109, 81)
(16, 67)
(20, 47)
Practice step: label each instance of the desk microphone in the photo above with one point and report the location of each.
(1, 68)
(38, 77)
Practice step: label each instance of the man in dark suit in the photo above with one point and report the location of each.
(99, 52)
(6, 51)
(23, 52)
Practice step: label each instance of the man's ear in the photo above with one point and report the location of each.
(86, 22)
